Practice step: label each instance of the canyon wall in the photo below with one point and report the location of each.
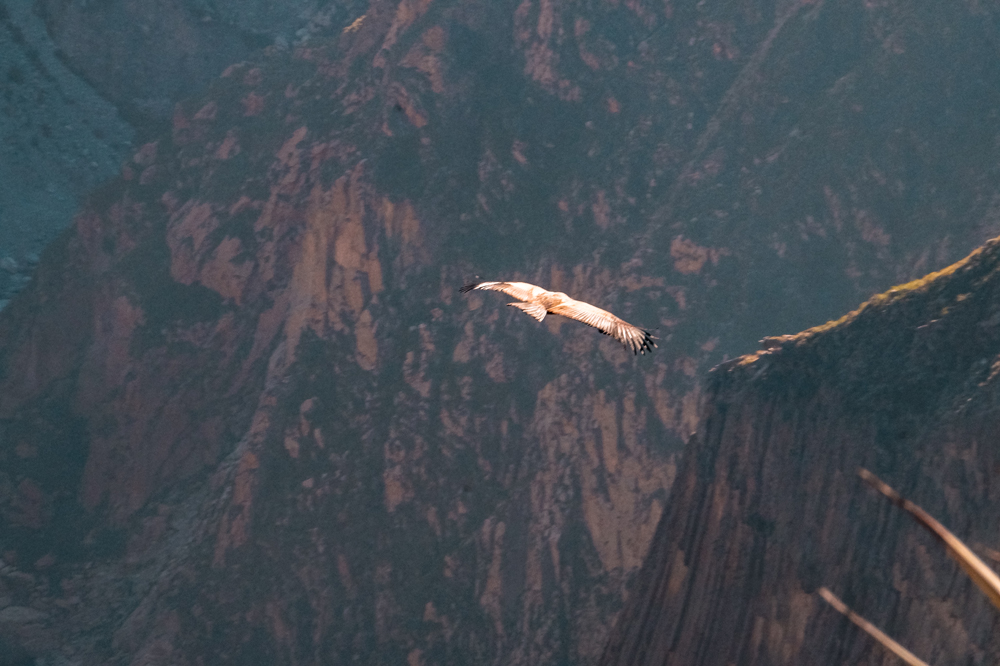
(246, 416)
(767, 507)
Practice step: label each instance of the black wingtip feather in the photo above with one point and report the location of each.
(648, 343)
(469, 287)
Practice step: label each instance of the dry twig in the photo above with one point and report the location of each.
(981, 575)
(872, 630)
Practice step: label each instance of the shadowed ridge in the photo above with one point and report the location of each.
(908, 382)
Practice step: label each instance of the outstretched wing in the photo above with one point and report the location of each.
(522, 291)
(637, 339)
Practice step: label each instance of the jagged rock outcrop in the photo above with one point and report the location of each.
(247, 417)
(767, 507)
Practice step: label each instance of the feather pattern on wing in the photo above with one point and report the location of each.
(539, 301)
(633, 337)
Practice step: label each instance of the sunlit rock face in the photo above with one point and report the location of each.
(767, 507)
(248, 418)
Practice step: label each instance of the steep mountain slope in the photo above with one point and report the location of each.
(145, 55)
(767, 507)
(246, 416)
(58, 139)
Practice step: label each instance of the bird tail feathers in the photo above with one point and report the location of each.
(533, 309)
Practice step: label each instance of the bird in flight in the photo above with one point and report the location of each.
(538, 302)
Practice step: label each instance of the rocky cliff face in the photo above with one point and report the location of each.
(247, 417)
(767, 507)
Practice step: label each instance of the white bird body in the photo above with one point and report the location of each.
(538, 302)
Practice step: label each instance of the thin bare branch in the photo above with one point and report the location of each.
(872, 630)
(981, 575)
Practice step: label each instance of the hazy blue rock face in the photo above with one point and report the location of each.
(146, 55)
(58, 138)
(78, 77)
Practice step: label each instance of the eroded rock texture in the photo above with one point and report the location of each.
(247, 417)
(767, 506)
